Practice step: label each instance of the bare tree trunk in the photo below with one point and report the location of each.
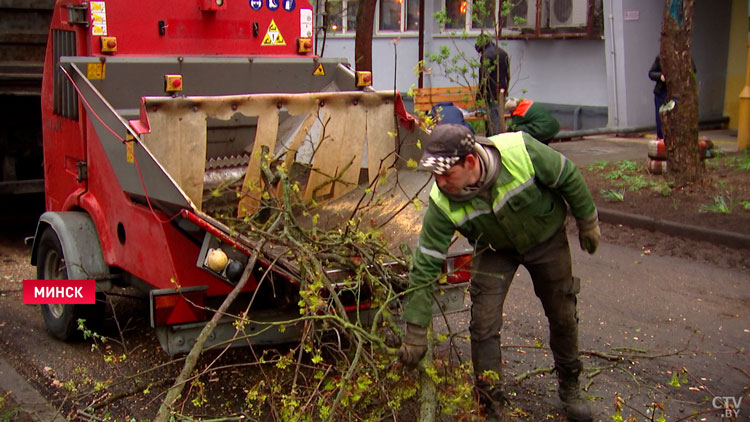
(363, 39)
(680, 118)
(428, 410)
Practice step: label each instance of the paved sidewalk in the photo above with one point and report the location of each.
(594, 148)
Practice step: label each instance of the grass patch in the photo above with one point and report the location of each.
(743, 163)
(635, 183)
(8, 411)
(720, 205)
(629, 166)
(734, 162)
(662, 187)
(628, 175)
(617, 177)
(597, 165)
(613, 195)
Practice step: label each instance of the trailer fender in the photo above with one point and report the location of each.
(80, 242)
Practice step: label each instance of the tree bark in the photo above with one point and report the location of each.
(428, 409)
(363, 39)
(680, 119)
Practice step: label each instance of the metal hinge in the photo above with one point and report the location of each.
(77, 14)
(83, 171)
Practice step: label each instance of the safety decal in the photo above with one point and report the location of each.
(273, 35)
(289, 5)
(305, 23)
(319, 70)
(272, 4)
(256, 4)
(129, 154)
(96, 70)
(98, 18)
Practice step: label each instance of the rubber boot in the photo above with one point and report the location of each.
(493, 404)
(576, 407)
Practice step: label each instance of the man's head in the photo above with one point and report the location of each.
(447, 144)
(482, 41)
(448, 153)
(511, 104)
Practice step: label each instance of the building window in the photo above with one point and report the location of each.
(341, 16)
(471, 15)
(483, 14)
(536, 19)
(398, 15)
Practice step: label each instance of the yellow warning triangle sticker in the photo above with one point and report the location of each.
(319, 70)
(273, 35)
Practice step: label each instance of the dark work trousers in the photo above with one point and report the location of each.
(496, 116)
(549, 264)
(493, 118)
(659, 100)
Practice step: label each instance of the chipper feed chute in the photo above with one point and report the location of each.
(328, 134)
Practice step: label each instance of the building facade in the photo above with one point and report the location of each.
(587, 60)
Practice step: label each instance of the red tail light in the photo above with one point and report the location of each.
(458, 268)
(170, 307)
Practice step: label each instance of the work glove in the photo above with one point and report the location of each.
(589, 232)
(413, 345)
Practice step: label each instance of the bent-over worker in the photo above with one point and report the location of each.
(532, 118)
(507, 195)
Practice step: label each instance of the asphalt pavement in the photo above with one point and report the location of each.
(694, 316)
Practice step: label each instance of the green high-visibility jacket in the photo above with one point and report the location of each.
(526, 207)
(532, 118)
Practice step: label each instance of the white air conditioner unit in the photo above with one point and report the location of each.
(525, 10)
(568, 13)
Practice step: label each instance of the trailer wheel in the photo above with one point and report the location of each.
(62, 320)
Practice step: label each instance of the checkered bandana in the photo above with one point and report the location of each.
(448, 143)
(439, 165)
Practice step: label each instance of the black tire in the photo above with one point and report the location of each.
(62, 320)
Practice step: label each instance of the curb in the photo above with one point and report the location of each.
(30, 400)
(719, 237)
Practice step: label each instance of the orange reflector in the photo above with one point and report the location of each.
(458, 269)
(170, 307)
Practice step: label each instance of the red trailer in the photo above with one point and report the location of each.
(146, 107)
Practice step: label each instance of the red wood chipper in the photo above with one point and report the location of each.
(148, 108)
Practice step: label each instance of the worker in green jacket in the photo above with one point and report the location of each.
(507, 195)
(532, 118)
